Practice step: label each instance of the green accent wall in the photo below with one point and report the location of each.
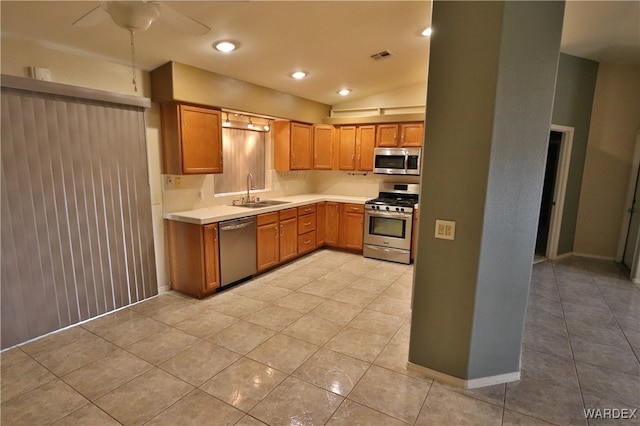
(493, 68)
(572, 106)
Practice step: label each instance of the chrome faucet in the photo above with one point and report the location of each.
(250, 186)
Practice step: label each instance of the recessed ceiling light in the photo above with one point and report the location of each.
(225, 46)
(427, 32)
(344, 92)
(299, 75)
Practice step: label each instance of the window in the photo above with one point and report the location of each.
(243, 153)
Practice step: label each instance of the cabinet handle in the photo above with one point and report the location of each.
(307, 242)
(281, 230)
(293, 158)
(307, 223)
(221, 158)
(276, 229)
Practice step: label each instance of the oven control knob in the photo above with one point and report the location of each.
(387, 208)
(397, 209)
(402, 209)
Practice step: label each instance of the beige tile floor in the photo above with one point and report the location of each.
(324, 340)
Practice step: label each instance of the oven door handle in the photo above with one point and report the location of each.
(390, 214)
(385, 249)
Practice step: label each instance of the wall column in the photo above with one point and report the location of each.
(490, 93)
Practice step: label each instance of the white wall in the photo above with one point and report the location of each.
(615, 121)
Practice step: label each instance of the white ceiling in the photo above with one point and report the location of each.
(332, 40)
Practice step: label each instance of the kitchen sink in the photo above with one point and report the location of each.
(263, 203)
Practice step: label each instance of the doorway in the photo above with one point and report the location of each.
(553, 192)
(548, 189)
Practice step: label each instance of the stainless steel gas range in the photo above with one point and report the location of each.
(388, 222)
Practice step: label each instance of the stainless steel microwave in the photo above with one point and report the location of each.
(397, 161)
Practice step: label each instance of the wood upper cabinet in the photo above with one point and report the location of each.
(411, 134)
(293, 145)
(194, 261)
(191, 139)
(387, 135)
(347, 148)
(365, 143)
(353, 226)
(323, 140)
(332, 224)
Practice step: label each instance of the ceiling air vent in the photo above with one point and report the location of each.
(381, 55)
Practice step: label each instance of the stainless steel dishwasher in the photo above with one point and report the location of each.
(237, 249)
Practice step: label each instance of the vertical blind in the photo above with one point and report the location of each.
(77, 238)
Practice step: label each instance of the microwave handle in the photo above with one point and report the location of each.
(406, 161)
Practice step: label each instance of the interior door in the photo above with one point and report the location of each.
(632, 233)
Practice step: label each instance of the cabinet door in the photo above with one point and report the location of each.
(268, 250)
(323, 146)
(411, 134)
(320, 223)
(347, 143)
(301, 146)
(387, 135)
(354, 226)
(201, 140)
(366, 141)
(288, 239)
(211, 258)
(332, 224)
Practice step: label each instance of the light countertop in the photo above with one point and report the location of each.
(207, 215)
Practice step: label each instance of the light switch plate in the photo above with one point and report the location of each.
(445, 229)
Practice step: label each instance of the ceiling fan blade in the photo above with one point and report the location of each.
(91, 18)
(182, 21)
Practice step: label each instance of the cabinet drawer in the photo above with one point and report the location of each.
(288, 214)
(306, 223)
(266, 218)
(311, 208)
(354, 208)
(307, 242)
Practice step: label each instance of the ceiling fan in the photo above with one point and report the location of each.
(138, 15)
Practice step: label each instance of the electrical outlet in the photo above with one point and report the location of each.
(169, 182)
(177, 182)
(445, 229)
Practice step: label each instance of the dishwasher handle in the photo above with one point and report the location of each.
(237, 225)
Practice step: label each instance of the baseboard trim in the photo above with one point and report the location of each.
(462, 383)
(563, 255)
(593, 256)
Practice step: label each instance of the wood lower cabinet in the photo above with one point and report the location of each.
(320, 223)
(352, 226)
(307, 221)
(288, 234)
(267, 241)
(276, 238)
(332, 224)
(194, 257)
(344, 225)
(191, 139)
